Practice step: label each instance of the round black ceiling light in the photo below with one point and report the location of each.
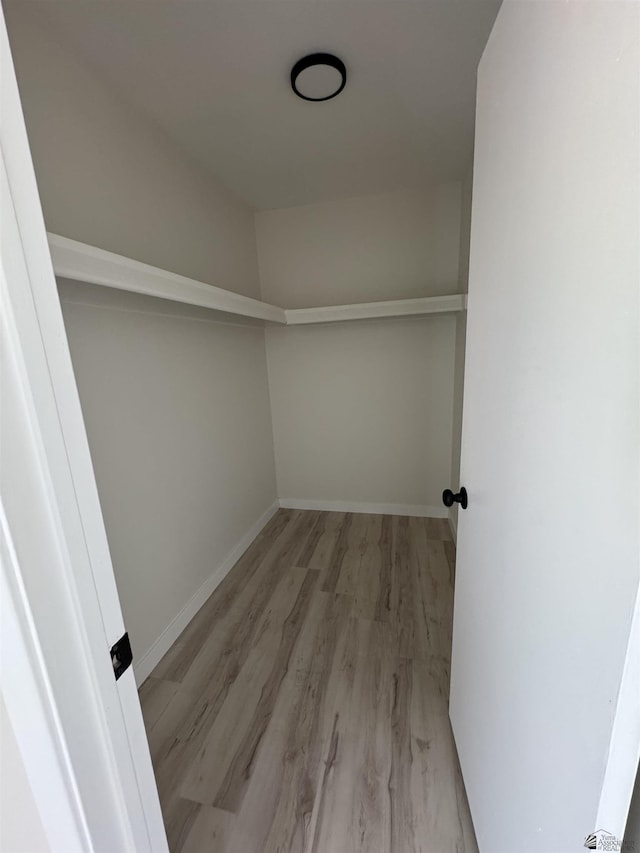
(318, 77)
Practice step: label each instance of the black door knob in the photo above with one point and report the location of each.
(449, 498)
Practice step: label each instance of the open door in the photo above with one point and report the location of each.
(545, 694)
(79, 731)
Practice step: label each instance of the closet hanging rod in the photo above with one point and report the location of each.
(84, 263)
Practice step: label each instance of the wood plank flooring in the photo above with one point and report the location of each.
(305, 707)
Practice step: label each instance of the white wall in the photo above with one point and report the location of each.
(179, 426)
(390, 246)
(362, 412)
(21, 829)
(110, 178)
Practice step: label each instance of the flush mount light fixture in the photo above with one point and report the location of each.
(318, 77)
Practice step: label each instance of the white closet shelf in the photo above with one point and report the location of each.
(80, 262)
(370, 310)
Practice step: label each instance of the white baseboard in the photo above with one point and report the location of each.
(151, 658)
(453, 524)
(421, 511)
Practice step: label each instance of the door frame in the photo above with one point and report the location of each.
(91, 772)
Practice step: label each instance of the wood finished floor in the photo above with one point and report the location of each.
(305, 707)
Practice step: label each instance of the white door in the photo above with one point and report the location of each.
(79, 731)
(545, 695)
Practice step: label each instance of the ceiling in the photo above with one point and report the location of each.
(215, 76)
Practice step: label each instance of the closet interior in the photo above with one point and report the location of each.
(206, 413)
(270, 376)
